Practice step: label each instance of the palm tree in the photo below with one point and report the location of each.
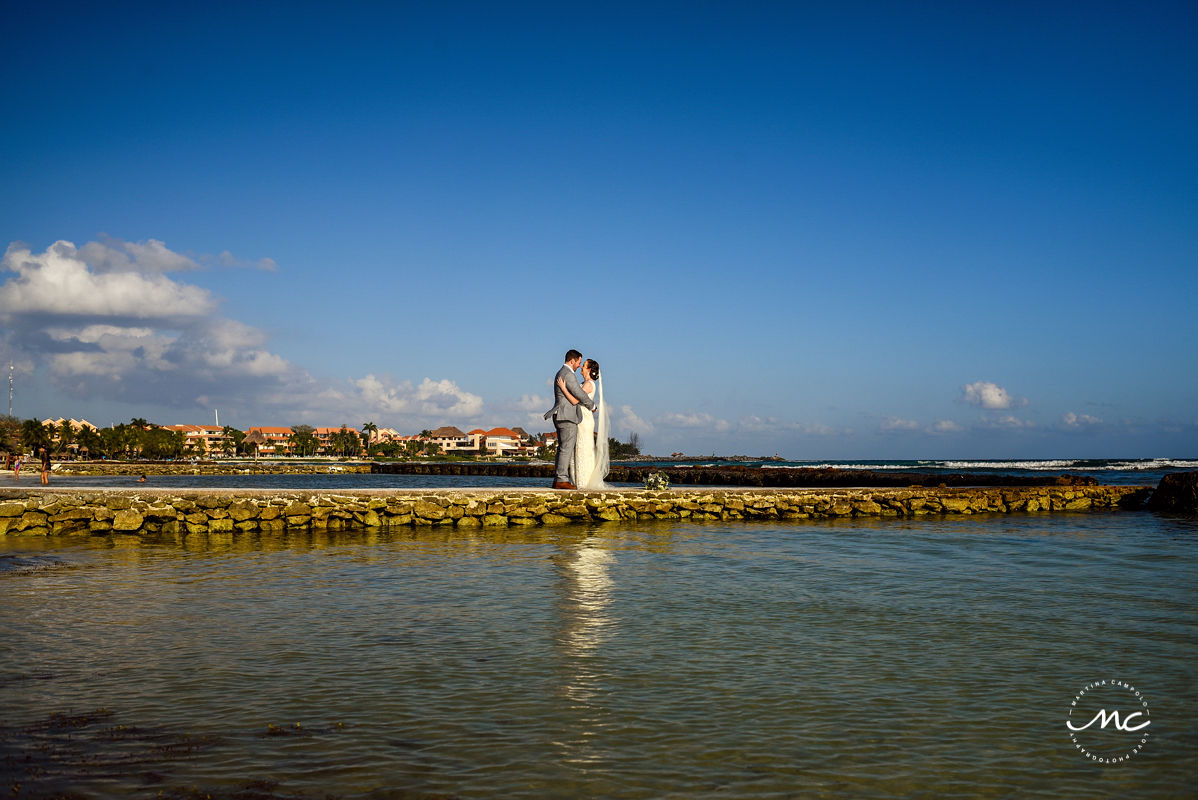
(232, 439)
(371, 430)
(34, 435)
(66, 435)
(10, 433)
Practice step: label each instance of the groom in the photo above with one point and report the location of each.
(566, 417)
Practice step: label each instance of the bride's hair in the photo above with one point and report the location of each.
(593, 369)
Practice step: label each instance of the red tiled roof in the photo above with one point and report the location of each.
(503, 432)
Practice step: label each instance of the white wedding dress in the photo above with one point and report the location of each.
(591, 460)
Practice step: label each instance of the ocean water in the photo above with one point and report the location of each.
(863, 658)
(1125, 472)
(1112, 471)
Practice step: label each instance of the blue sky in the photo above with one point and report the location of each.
(881, 230)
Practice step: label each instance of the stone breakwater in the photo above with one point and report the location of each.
(736, 475)
(151, 513)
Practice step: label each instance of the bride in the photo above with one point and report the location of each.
(591, 460)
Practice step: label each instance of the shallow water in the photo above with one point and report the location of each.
(933, 657)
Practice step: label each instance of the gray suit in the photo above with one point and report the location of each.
(566, 417)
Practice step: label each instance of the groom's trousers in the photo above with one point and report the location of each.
(567, 435)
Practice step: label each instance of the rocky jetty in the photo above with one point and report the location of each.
(1177, 493)
(826, 477)
(735, 475)
(164, 513)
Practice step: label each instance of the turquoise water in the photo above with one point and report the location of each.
(931, 657)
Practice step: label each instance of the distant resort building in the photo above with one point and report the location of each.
(383, 435)
(503, 441)
(201, 438)
(325, 437)
(76, 424)
(450, 439)
(277, 440)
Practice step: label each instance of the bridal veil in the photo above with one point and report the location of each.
(602, 432)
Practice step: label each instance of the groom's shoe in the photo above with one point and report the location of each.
(563, 485)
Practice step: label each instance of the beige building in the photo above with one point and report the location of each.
(502, 441)
(276, 438)
(205, 438)
(76, 424)
(450, 439)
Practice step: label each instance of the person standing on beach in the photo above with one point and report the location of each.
(566, 417)
(45, 456)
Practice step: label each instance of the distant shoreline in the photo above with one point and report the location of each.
(208, 467)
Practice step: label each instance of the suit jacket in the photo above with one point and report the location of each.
(563, 410)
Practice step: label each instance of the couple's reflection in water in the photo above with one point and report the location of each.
(587, 624)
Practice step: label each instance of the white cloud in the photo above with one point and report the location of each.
(1079, 421)
(1007, 421)
(445, 397)
(753, 423)
(59, 282)
(773, 425)
(939, 427)
(150, 256)
(227, 259)
(117, 351)
(692, 419)
(431, 400)
(627, 421)
(990, 396)
(153, 256)
(110, 325)
(533, 402)
(94, 333)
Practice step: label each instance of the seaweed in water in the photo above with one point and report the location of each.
(28, 565)
(300, 730)
(51, 754)
(49, 758)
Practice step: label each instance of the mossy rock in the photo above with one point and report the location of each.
(243, 510)
(12, 509)
(427, 510)
(128, 520)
